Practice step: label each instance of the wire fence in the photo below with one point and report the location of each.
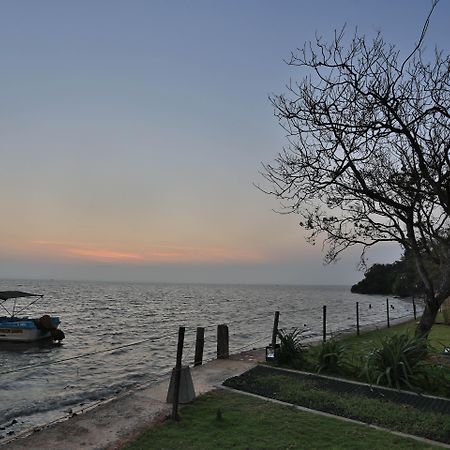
(289, 319)
(242, 338)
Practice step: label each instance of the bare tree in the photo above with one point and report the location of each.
(367, 159)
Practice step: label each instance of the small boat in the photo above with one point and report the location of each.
(24, 329)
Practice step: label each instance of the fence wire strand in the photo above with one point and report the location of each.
(190, 353)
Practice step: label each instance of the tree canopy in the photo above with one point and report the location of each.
(367, 159)
(399, 278)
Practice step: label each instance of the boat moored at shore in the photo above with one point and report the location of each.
(14, 328)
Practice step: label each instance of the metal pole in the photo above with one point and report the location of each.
(387, 313)
(324, 324)
(175, 415)
(275, 329)
(357, 318)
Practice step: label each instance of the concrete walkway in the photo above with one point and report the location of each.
(112, 424)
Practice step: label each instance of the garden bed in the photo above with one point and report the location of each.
(410, 413)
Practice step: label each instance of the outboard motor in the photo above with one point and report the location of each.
(57, 334)
(45, 323)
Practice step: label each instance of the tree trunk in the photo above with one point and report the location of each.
(428, 317)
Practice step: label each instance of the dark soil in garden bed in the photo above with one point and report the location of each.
(385, 407)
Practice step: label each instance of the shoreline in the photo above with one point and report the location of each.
(120, 419)
(112, 422)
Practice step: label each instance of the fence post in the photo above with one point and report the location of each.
(199, 345)
(387, 313)
(357, 318)
(178, 374)
(275, 329)
(222, 342)
(414, 308)
(324, 323)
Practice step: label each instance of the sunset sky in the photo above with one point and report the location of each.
(132, 133)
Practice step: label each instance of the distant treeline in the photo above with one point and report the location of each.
(399, 278)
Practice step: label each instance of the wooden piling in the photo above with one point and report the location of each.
(199, 345)
(324, 323)
(414, 308)
(223, 351)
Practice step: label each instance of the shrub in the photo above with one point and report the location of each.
(436, 379)
(291, 350)
(330, 357)
(398, 362)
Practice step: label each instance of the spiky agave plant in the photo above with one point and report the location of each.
(292, 349)
(330, 357)
(398, 361)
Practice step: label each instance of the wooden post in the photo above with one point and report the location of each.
(387, 313)
(324, 323)
(222, 342)
(199, 344)
(357, 318)
(414, 308)
(275, 329)
(178, 374)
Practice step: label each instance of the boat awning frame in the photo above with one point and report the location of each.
(6, 295)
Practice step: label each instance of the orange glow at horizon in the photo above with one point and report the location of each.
(166, 254)
(103, 255)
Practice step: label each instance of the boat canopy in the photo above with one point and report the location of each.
(5, 295)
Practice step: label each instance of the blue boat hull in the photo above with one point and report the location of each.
(24, 329)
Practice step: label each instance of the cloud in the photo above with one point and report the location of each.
(162, 254)
(104, 255)
(202, 254)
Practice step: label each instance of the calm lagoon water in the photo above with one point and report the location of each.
(99, 317)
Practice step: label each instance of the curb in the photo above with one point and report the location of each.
(343, 419)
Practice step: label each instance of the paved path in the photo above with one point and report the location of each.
(112, 424)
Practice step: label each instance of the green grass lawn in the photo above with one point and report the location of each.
(438, 338)
(250, 423)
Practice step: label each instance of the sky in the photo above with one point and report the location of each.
(132, 135)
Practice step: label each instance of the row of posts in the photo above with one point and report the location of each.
(388, 318)
(223, 352)
(223, 344)
(223, 335)
(324, 321)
